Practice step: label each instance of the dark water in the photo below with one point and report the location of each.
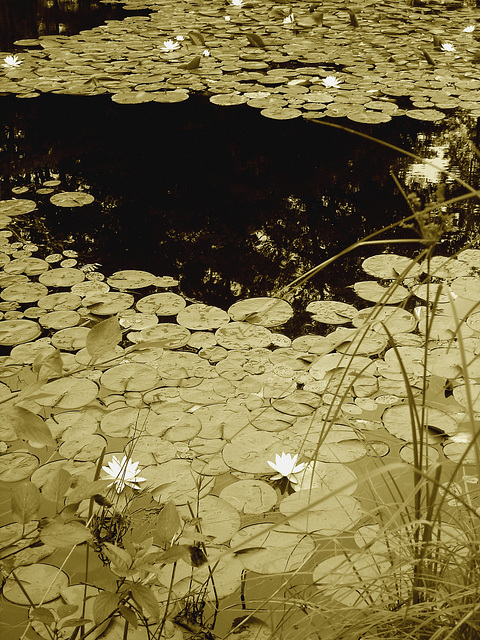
(24, 19)
(233, 203)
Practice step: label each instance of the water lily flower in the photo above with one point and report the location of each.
(236, 3)
(227, 18)
(179, 38)
(448, 47)
(11, 61)
(123, 473)
(206, 53)
(170, 45)
(290, 19)
(286, 466)
(469, 29)
(331, 82)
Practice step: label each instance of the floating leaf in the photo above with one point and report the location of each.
(131, 279)
(17, 207)
(162, 304)
(34, 579)
(373, 291)
(25, 502)
(17, 466)
(27, 425)
(310, 510)
(199, 316)
(268, 312)
(65, 534)
(250, 496)
(103, 337)
(331, 311)
(71, 199)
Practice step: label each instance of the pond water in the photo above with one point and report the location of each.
(29, 19)
(234, 205)
(230, 203)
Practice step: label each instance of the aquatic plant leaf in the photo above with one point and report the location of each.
(242, 335)
(167, 524)
(197, 38)
(131, 279)
(130, 377)
(228, 99)
(17, 207)
(219, 519)
(250, 496)
(71, 199)
(27, 425)
(330, 516)
(34, 578)
(65, 534)
(25, 502)
(103, 337)
(56, 486)
(162, 304)
(66, 393)
(193, 64)
(200, 317)
(282, 549)
(86, 490)
(268, 312)
(374, 292)
(18, 331)
(146, 599)
(61, 277)
(255, 40)
(331, 311)
(104, 604)
(390, 266)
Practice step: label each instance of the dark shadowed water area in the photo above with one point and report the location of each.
(29, 19)
(231, 203)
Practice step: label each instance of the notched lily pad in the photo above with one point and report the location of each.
(71, 199)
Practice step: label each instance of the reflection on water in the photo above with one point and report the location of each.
(25, 19)
(233, 203)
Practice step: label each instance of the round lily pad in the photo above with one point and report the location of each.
(165, 303)
(59, 319)
(250, 496)
(131, 279)
(243, 335)
(18, 331)
(175, 480)
(373, 291)
(109, 303)
(394, 319)
(62, 277)
(200, 317)
(429, 115)
(228, 99)
(30, 266)
(17, 466)
(250, 450)
(67, 393)
(16, 207)
(331, 311)
(42, 583)
(130, 377)
(177, 95)
(71, 199)
(60, 301)
(390, 266)
(220, 519)
(83, 446)
(24, 292)
(165, 334)
(310, 510)
(268, 312)
(398, 421)
(281, 549)
(71, 339)
(281, 113)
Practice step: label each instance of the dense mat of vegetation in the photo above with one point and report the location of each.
(368, 62)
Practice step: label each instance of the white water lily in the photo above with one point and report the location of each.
(286, 466)
(170, 45)
(179, 38)
(331, 82)
(227, 18)
(206, 53)
(123, 473)
(237, 3)
(11, 61)
(290, 19)
(448, 47)
(469, 29)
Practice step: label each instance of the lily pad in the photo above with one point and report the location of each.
(309, 510)
(202, 317)
(61, 277)
(375, 292)
(331, 311)
(17, 466)
(162, 304)
(282, 548)
(41, 582)
(242, 335)
(131, 279)
(129, 377)
(24, 292)
(17, 207)
(250, 496)
(71, 199)
(18, 331)
(390, 266)
(268, 312)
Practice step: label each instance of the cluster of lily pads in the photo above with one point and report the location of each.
(368, 63)
(121, 401)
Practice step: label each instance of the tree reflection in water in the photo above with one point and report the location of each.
(235, 204)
